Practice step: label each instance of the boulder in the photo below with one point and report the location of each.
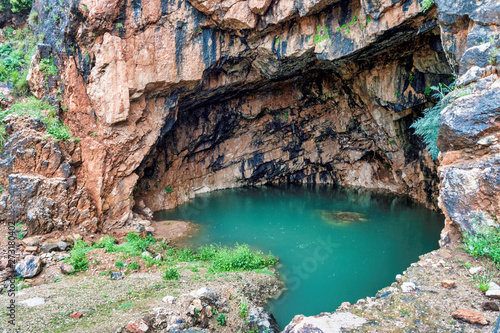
(325, 322)
(29, 267)
(259, 320)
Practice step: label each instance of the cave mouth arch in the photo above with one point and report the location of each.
(344, 122)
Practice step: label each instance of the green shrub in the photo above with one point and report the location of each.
(134, 266)
(485, 242)
(108, 243)
(168, 189)
(426, 5)
(120, 264)
(78, 257)
(171, 274)
(239, 258)
(19, 5)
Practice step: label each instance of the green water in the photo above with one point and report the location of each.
(324, 260)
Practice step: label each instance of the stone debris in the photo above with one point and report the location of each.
(137, 327)
(489, 306)
(325, 322)
(66, 268)
(408, 287)
(169, 299)
(29, 267)
(493, 293)
(259, 320)
(117, 276)
(474, 270)
(470, 316)
(35, 301)
(448, 284)
(76, 315)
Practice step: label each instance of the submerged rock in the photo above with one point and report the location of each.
(337, 217)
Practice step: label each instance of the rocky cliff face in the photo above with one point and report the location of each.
(175, 98)
(469, 127)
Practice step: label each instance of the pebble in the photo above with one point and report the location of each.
(474, 270)
(489, 306)
(493, 286)
(31, 241)
(31, 248)
(448, 284)
(169, 299)
(470, 316)
(117, 276)
(408, 287)
(66, 268)
(35, 301)
(137, 327)
(76, 315)
(146, 254)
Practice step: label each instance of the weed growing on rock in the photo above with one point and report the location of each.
(426, 5)
(48, 67)
(168, 189)
(34, 107)
(484, 243)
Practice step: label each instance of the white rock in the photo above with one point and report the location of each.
(327, 322)
(408, 287)
(146, 254)
(399, 278)
(33, 301)
(475, 270)
(493, 293)
(169, 299)
(493, 286)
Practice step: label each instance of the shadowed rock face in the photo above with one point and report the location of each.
(186, 97)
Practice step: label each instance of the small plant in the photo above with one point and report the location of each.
(428, 125)
(321, 35)
(168, 189)
(243, 309)
(493, 57)
(171, 274)
(426, 5)
(392, 142)
(48, 67)
(78, 257)
(119, 26)
(20, 229)
(221, 319)
(134, 266)
(484, 242)
(412, 78)
(20, 5)
(120, 264)
(277, 42)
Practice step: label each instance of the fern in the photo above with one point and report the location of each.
(426, 5)
(428, 125)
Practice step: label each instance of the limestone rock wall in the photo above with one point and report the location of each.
(195, 96)
(469, 127)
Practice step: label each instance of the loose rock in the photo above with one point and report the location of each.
(29, 267)
(76, 315)
(35, 301)
(66, 268)
(117, 276)
(448, 284)
(490, 306)
(470, 316)
(137, 327)
(408, 287)
(169, 299)
(62, 245)
(493, 293)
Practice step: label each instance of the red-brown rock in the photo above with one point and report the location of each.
(470, 316)
(137, 327)
(76, 315)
